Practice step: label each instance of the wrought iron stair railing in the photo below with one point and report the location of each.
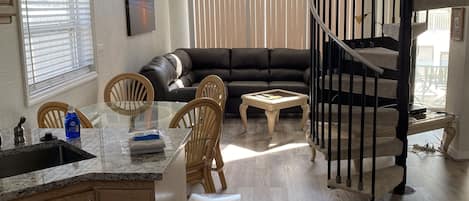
(332, 57)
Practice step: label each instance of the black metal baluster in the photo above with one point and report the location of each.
(313, 77)
(383, 13)
(323, 91)
(393, 11)
(330, 16)
(345, 19)
(323, 16)
(318, 64)
(354, 5)
(339, 117)
(362, 127)
(375, 108)
(363, 20)
(337, 19)
(329, 100)
(350, 123)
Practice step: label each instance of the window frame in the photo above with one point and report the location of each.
(82, 78)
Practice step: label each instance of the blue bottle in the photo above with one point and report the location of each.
(72, 124)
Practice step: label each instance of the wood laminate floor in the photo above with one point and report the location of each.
(278, 168)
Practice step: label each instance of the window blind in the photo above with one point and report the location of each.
(58, 44)
(251, 23)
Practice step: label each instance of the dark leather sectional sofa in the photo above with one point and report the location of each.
(243, 70)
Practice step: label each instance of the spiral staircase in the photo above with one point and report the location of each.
(362, 57)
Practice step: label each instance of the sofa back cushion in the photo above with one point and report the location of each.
(209, 61)
(288, 64)
(249, 64)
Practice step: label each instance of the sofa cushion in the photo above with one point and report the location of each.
(238, 88)
(185, 94)
(249, 64)
(209, 58)
(164, 66)
(249, 58)
(283, 74)
(299, 87)
(289, 59)
(200, 74)
(249, 75)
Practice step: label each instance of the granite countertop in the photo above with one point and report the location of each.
(113, 161)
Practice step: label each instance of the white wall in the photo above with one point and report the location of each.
(179, 20)
(457, 101)
(116, 53)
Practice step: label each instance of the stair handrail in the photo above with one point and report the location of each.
(341, 44)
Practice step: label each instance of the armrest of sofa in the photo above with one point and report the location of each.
(161, 73)
(307, 76)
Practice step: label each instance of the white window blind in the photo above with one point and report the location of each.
(251, 23)
(58, 44)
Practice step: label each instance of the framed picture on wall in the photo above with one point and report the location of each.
(457, 24)
(140, 16)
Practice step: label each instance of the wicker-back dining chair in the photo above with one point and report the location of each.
(203, 116)
(129, 87)
(213, 87)
(52, 114)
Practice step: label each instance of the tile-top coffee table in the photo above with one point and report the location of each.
(272, 101)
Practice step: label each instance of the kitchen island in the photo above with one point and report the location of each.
(105, 172)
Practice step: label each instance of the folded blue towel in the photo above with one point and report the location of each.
(144, 142)
(147, 137)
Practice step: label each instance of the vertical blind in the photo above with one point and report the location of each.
(58, 43)
(251, 23)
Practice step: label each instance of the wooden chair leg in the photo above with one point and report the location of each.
(219, 167)
(208, 180)
(313, 153)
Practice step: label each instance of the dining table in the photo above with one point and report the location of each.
(135, 115)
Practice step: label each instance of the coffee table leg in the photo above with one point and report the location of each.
(277, 118)
(305, 108)
(271, 117)
(450, 133)
(242, 112)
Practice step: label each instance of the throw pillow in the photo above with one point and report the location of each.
(178, 65)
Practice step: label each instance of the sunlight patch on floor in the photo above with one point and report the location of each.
(233, 153)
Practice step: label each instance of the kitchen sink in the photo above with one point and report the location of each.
(37, 157)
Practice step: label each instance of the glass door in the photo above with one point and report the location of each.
(431, 73)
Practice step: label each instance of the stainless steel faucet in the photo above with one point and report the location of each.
(19, 132)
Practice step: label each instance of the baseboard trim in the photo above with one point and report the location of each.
(458, 155)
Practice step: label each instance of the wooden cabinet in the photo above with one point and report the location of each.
(124, 195)
(85, 196)
(99, 191)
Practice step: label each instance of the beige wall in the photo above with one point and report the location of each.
(458, 93)
(179, 22)
(116, 53)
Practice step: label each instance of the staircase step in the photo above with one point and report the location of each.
(385, 117)
(385, 146)
(386, 88)
(382, 57)
(392, 30)
(386, 180)
(434, 4)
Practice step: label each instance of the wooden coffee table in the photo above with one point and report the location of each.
(272, 101)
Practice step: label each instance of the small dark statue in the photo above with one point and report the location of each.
(19, 132)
